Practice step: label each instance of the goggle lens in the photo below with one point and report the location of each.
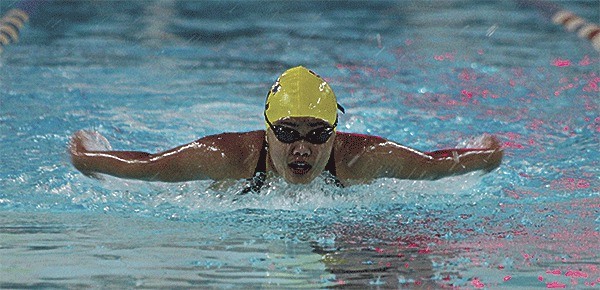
(288, 135)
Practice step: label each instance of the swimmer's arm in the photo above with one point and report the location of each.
(206, 158)
(389, 159)
(412, 164)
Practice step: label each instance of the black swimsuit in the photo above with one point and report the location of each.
(260, 173)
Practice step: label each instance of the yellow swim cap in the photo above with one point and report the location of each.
(300, 92)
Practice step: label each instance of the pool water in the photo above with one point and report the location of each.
(151, 75)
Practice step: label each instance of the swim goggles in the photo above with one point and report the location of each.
(288, 135)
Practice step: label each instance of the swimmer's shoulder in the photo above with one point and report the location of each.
(237, 140)
(350, 149)
(353, 143)
(240, 151)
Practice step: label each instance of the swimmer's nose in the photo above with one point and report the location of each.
(301, 149)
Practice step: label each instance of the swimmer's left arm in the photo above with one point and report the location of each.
(412, 164)
(389, 159)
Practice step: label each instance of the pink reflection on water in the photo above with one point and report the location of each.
(592, 85)
(477, 283)
(556, 272)
(569, 241)
(585, 61)
(576, 274)
(556, 284)
(561, 62)
(570, 184)
(446, 56)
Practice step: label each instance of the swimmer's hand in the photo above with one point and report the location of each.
(494, 158)
(483, 153)
(83, 142)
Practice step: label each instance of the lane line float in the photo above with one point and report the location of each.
(570, 21)
(10, 26)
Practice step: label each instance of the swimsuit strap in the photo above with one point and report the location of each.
(260, 172)
(332, 179)
(261, 166)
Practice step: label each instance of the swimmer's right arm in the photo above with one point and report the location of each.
(211, 157)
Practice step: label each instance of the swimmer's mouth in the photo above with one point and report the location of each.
(300, 168)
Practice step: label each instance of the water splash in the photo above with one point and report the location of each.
(167, 199)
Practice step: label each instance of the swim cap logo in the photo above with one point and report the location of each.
(275, 88)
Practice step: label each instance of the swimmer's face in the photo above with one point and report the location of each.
(300, 161)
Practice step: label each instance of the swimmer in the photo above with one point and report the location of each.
(300, 143)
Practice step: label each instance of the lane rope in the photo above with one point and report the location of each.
(15, 19)
(570, 21)
(11, 25)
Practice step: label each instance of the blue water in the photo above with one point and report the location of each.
(152, 75)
